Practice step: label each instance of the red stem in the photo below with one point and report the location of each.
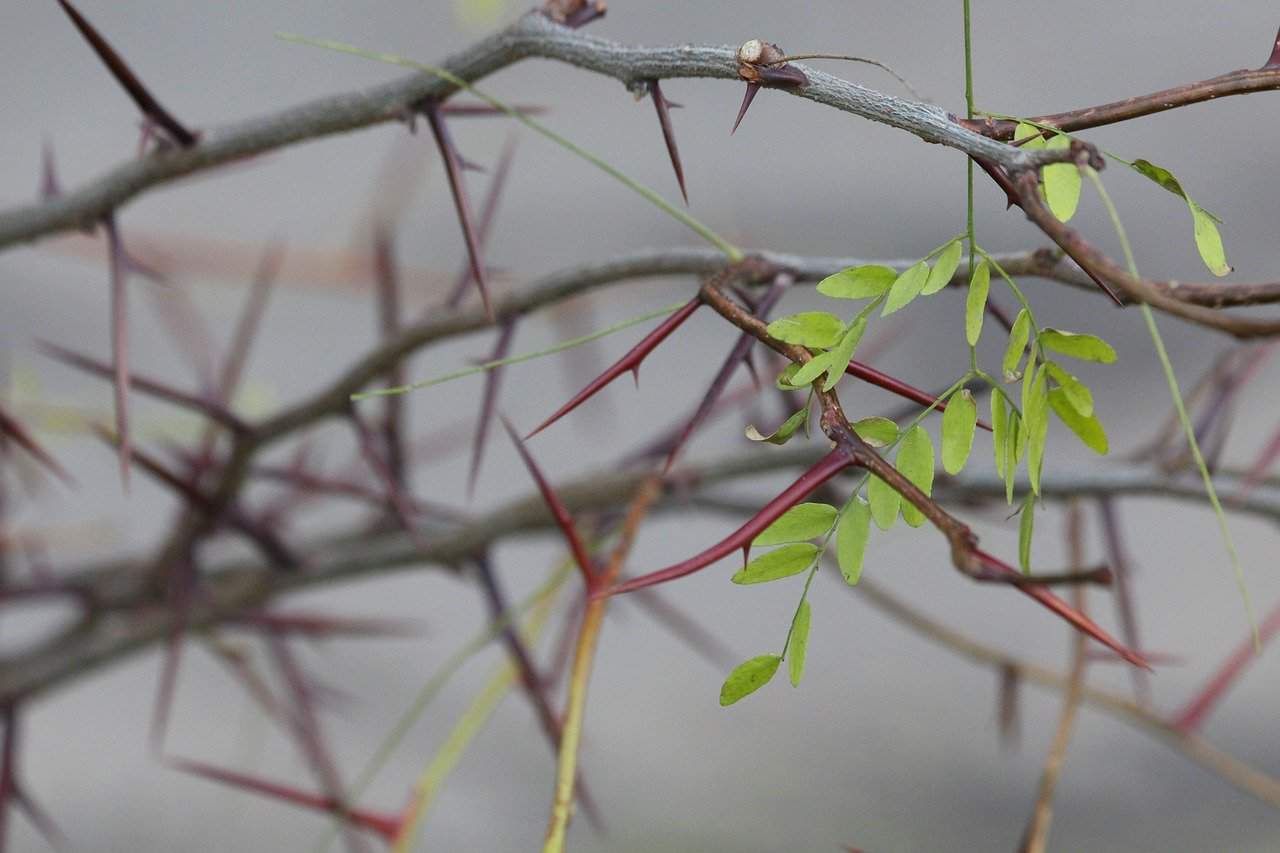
(1194, 713)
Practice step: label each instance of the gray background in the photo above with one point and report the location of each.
(890, 743)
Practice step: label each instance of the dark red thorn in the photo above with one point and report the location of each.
(741, 349)
(586, 13)
(452, 170)
(485, 110)
(631, 361)
(706, 644)
(149, 106)
(50, 186)
(1161, 658)
(752, 89)
(1072, 616)
(488, 403)
(249, 321)
(883, 380)
(488, 212)
(1118, 557)
(386, 826)
(1193, 714)
(826, 468)
(1273, 61)
(13, 429)
(1008, 706)
(185, 327)
(181, 592)
(237, 661)
(786, 75)
(663, 108)
(323, 625)
(400, 502)
(119, 341)
(997, 174)
(387, 278)
(558, 510)
(210, 409)
(1258, 470)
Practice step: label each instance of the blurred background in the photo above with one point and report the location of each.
(891, 742)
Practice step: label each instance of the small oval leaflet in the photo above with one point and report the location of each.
(843, 352)
(1075, 391)
(780, 563)
(1087, 428)
(958, 424)
(819, 329)
(782, 434)
(1026, 525)
(915, 461)
(799, 644)
(748, 677)
(799, 524)
(975, 305)
(884, 501)
(1061, 182)
(813, 368)
(1076, 345)
(906, 288)
(858, 282)
(851, 539)
(876, 431)
(944, 270)
(1013, 353)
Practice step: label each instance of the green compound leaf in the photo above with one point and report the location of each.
(812, 369)
(818, 329)
(799, 643)
(843, 353)
(1075, 391)
(1208, 238)
(851, 539)
(975, 306)
(782, 434)
(958, 424)
(906, 288)
(915, 461)
(944, 269)
(1036, 411)
(747, 678)
(858, 282)
(1012, 452)
(1062, 182)
(1083, 347)
(884, 501)
(1013, 353)
(799, 524)
(1086, 427)
(780, 563)
(1026, 525)
(876, 431)
(999, 429)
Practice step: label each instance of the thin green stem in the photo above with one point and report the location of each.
(731, 251)
(1180, 407)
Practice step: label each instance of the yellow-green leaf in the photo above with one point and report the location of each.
(999, 429)
(884, 501)
(851, 539)
(944, 269)
(799, 524)
(1076, 345)
(1208, 238)
(1013, 353)
(906, 288)
(783, 433)
(812, 369)
(1026, 131)
(818, 329)
(975, 306)
(748, 677)
(1036, 411)
(779, 563)
(843, 352)
(1061, 182)
(915, 461)
(958, 423)
(799, 644)
(1026, 526)
(858, 282)
(1076, 392)
(1086, 427)
(876, 431)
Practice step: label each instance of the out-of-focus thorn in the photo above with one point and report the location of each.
(1008, 718)
(50, 186)
(631, 361)
(148, 105)
(324, 625)
(14, 430)
(574, 13)
(387, 278)
(663, 108)
(181, 591)
(249, 322)
(488, 404)
(747, 98)
(1194, 713)
(1273, 61)
(486, 110)
(119, 342)
(453, 171)
(1118, 556)
(867, 373)
(488, 212)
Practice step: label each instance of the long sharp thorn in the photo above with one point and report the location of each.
(1074, 617)
(387, 278)
(485, 110)
(1193, 714)
(1119, 560)
(488, 402)
(149, 106)
(752, 89)
(629, 362)
(386, 826)
(1273, 61)
(558, 510)
(120, 344)
(826, 468)
(247, 325)
(488, 212)
(13, 429)
(883, 380)
(50, 187)
(663, 108)
(181, 592)
(453, 169)
(39, 818)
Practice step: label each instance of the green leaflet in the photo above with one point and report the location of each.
(818, 329)
(976, 304)
(798, 644)
(884, 501)
(851, 539)
(999, 429)
(783, 433)
(843, 352)
(1036, 412)
(748, 677)
(813, 368)
(1086, 427)
(958, 423)
(906, 288)
(779, 563)
(1026, 525)
(915, 461)
(1208, 238)
(1075, 391)
(1062, 182)
(858, 282)
(944, 269)
(1013, 353)
(1076, 345)
(1012, 452)
(799, 524)
(876, 431)
(1026, 131)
